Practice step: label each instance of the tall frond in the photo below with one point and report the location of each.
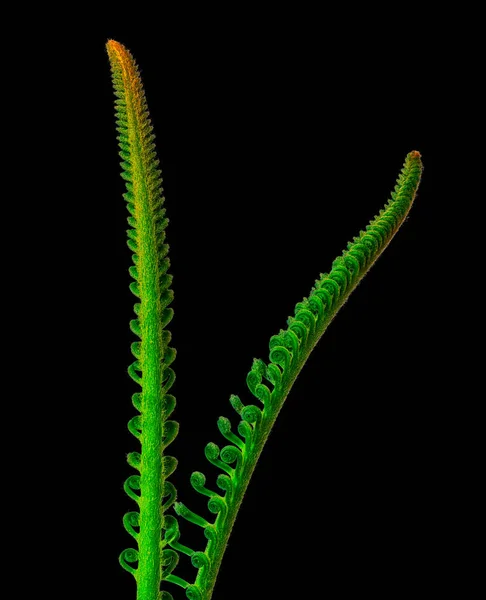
(151, 284)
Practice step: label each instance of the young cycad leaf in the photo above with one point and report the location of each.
(146, 236)
(270, 383)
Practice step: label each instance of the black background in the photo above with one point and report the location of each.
(276, 149)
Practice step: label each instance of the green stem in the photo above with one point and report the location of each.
(152, 476)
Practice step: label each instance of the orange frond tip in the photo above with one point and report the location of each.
(114, 45)
(119, 55)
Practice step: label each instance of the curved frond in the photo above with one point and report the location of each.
(270, 383)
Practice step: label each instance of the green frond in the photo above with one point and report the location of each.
(151, 371)
(270, 383)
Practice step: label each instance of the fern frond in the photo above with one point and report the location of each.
(146, 238)
(270, 383)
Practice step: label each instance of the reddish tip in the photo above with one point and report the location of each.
(112, 44)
